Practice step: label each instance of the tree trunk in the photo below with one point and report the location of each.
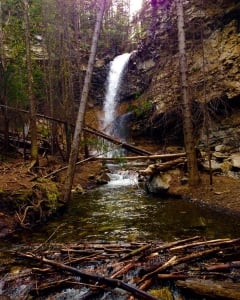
(187, 110)
(3, 87)
(50, 72)
(32, 102)
(117, 141)
(82, 107)
(214, 289)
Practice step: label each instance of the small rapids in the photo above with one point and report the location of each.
(118, 212)
(122, 178)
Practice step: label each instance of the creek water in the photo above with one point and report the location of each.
(123, 211)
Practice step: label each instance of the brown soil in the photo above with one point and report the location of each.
(15, 174)
(223, 195)
(16, 181)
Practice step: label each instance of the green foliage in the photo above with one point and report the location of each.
(49, 192)
(141, 109)
(36, 16)
(116, 29)
(62, 31)
(16, 85)
(120, 160)
(195, 69)
(138, 94)
(43, 130)
(38, 80)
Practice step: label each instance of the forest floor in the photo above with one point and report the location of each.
(223, 195)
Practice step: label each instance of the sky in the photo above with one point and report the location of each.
(135, 5)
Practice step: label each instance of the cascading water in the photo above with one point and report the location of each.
(112, 125)
(115, 75)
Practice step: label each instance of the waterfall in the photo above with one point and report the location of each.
(115, 75)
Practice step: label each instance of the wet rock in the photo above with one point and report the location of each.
(79, 189)
(102, 178)
(220, 148)
(215, 166)
(219, 156)
(184, 180)
(235, 158)
(158, 184)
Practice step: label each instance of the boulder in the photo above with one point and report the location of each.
(219, 156)
(102, 178)
(159, 183)
(235, 158)
(215, 166)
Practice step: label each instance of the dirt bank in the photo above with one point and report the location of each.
(223, 195)
(27, 198)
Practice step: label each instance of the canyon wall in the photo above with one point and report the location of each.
(213, 54)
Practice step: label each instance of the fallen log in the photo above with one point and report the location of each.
(88, 129)
(148, 264)
(113, 283)
(171, 262)
(175, 261)
(222, 267)
(166, 156)
(171, 276)
(217, 242)
(216, 289)
(65, 167)
(169, 245)
(146, 284)
(160, 167)
(83, 259)
(116, 141)
(122, 271)
(135, 252)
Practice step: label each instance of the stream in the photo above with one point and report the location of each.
(123, 211)
(120, 211)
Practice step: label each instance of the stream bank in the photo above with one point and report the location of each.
(223, 195)
(27, 199)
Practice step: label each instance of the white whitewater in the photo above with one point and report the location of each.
(118, 177)
(114, 79)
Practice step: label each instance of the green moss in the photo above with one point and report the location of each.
(142, 108)
(49, 192)
(163, 293)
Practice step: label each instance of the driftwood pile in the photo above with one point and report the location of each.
(206, 267)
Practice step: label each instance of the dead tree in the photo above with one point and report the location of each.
(82, 106)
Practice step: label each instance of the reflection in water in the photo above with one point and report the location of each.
(127, 213)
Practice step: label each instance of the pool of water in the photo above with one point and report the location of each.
(122, 211)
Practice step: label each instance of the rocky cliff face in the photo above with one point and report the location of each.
(213, 54)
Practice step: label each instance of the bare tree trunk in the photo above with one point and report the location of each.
(82, 107)
(32, 102)
(50, 71)
(187, 110)
(3, 98)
